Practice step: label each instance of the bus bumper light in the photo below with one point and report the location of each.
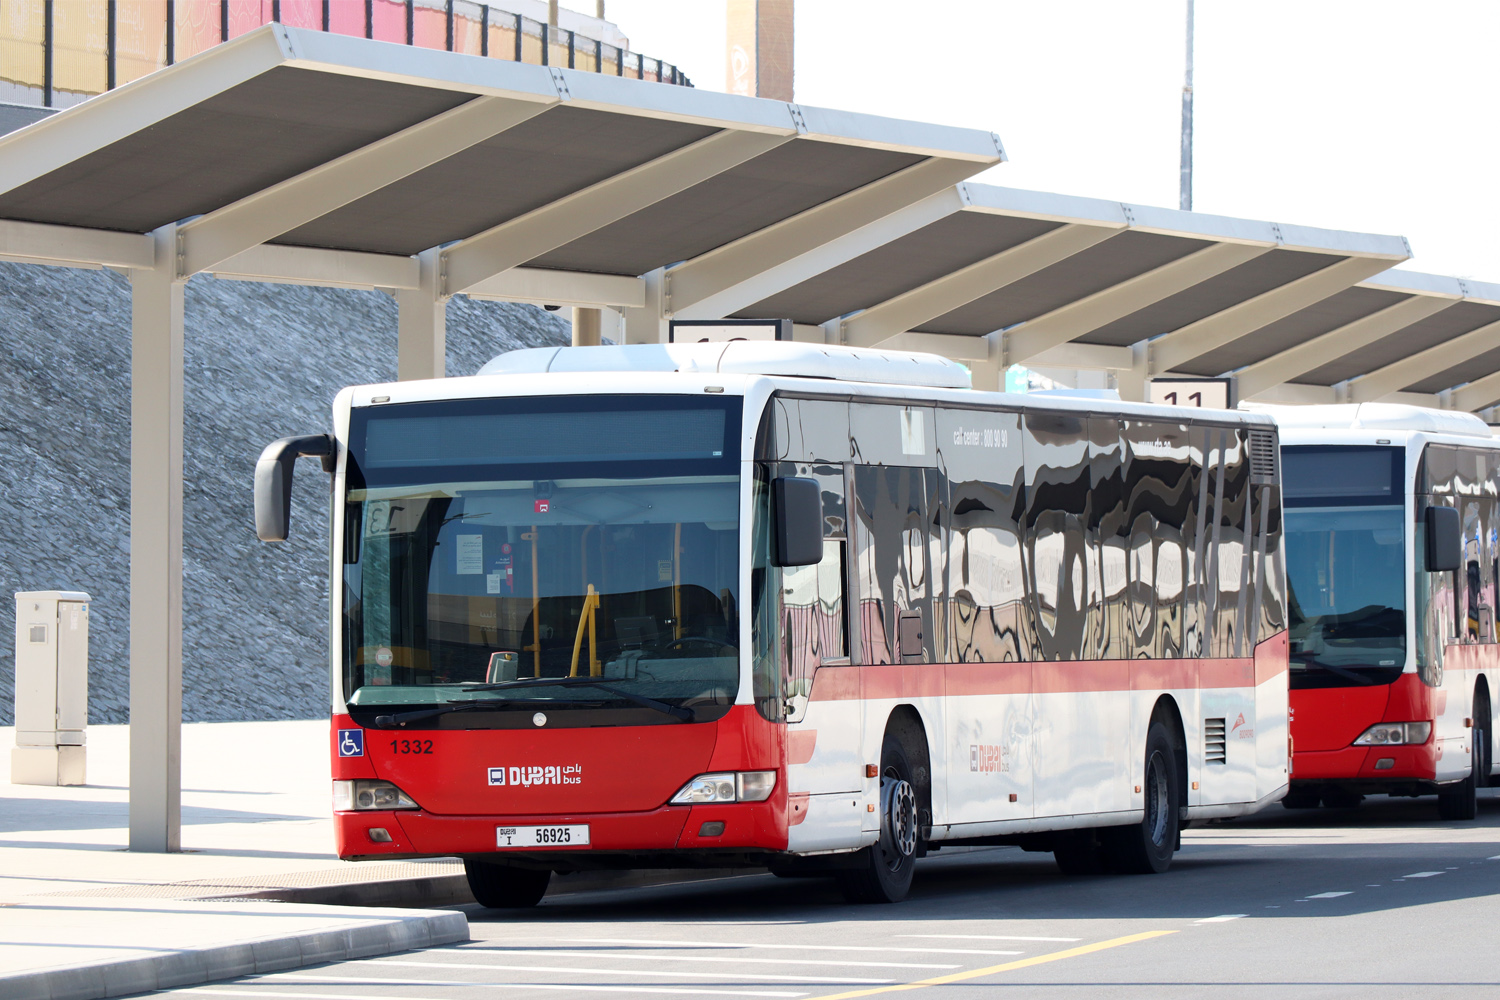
(1385, 763)
(730, 786)
(715, 829)
(366, 793)
(1395, 734)
(379, 835)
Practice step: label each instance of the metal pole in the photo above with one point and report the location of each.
(1185, 192)
(422, 324)
(586, 327)
(156, 551)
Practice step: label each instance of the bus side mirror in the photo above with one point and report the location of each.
(273, 481)
(1445, 543)
(798, 516)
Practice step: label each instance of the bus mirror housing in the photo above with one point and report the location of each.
(797, 506)
(1445, 543)
(273, 480)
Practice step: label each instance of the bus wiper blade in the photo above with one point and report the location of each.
(676, 711)
(1342, 672)
(420, 714)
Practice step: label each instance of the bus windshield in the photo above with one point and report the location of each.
(572, 555)
(1346, 565)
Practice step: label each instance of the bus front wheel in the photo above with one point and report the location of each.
(1146, 848)
(883, 870)
(505, 887)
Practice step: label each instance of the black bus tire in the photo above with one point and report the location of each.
(1146, 848)
(882, 872)
(505, 887)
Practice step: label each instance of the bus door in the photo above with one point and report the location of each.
(1082, 699)
(991, 717)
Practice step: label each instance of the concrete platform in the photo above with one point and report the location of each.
(81, 917)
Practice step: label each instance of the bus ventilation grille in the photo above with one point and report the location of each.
(1213, 742)
(1263, 457)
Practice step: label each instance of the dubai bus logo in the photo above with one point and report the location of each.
(556, 774)
(988, 758)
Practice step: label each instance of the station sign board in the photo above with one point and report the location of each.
(718, 331)
(1201, 393)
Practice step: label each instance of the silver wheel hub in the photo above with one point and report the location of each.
(898, 833)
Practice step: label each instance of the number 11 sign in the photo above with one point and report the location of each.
(1203, 393)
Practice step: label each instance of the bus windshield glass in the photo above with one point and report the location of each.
(1346, 565)
(572, 555)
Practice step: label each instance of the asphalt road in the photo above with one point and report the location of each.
(1385, 901)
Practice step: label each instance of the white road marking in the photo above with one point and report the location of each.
(1421, 874)
(1328, 895)
(577, 970)
(727, 945)
(242, 992)
(987, 937)
(618, 955)
(1221, 918)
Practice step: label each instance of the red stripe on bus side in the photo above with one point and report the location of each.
(929, 680)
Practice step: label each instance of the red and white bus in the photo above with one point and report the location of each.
(775, 604)
(1392, 565)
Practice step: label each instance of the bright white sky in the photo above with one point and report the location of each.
(1368, 115)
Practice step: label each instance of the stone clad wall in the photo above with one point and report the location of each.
(262, 361)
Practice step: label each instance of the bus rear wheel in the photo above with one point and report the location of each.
(506, 887)
(883, 871)
(1146, 848)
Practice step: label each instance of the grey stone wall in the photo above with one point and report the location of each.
(262, 361)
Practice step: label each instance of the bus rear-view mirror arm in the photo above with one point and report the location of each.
(1445, 542)
(797, 506)
(273, 480)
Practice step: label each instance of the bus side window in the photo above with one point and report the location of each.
(985, 618)
(1109, 542)
(1157, 503)
(1473, 583)
(1057, 539)
(1232, 600)
(891, 556)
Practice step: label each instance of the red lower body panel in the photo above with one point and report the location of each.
(1326, 721)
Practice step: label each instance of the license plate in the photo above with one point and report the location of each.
(541, 836)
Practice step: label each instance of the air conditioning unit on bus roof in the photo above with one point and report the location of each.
(742, 357)
(1376, 416)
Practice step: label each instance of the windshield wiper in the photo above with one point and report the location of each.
(1341, 671)
(676, 711)
(419, 714)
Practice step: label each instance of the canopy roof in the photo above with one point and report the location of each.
(1400, 336)
(306, 140)
(1006, 276)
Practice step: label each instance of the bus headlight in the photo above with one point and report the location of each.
(366, 793)
(1395, 734)
(729, 786)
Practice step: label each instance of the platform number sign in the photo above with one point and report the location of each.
(1199, 393)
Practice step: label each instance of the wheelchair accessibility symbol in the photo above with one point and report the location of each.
(351, 742)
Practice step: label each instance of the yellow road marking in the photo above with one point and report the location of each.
(956, 977)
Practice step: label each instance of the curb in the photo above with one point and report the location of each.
(243, 958)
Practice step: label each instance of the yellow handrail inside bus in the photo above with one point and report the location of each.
(536, 609)
(586, 618)
(677, 582)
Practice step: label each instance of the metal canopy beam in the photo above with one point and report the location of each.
(729, 274)
(296, 201)
(1476, 395)
(1082, 316)
(312, 266)
(1212, 332)
(921, 305)
(1413, 368)
(1287, 365)
(567, 219)
(70, 246)
(955, 346)
(785, 274)
(544, 286)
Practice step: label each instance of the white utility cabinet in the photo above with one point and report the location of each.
(52, 687)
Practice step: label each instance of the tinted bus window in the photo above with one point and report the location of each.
(1057, 536)
(1323, 475)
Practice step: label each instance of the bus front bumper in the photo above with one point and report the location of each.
(744, 826)
(1366, 766)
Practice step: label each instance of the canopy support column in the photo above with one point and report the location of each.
(586, 324)
(422, 324)
(156, 329)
